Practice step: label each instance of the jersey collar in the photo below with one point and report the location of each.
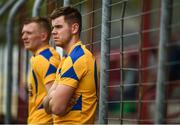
(41, 49)
(76, 44)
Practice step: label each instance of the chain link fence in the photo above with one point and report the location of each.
(137, 47)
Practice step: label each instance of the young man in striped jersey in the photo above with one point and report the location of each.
(73, 97)
(36, 33)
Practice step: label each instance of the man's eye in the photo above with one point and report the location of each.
(58, 26)
(29, 33)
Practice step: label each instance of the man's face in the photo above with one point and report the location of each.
(61, 32)
(32, 36)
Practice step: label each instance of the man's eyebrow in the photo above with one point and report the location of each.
(23, 32)
(57, 25)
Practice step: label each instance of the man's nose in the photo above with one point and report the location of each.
(24, 37)
(53, 32)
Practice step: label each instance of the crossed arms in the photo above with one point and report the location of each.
(58, 99)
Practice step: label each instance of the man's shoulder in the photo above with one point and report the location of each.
(48, 53)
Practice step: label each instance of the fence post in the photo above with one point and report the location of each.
(5, 7)
(36, 8)
(165, 32)
(66, 3)
(105, 59)
(9, 34)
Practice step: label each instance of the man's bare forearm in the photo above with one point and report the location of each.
(46, 104)
(47, 99)
(53, 87)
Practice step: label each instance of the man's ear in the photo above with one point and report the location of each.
(75, 28)
(44, 36)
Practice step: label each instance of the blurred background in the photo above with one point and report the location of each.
(142, 61)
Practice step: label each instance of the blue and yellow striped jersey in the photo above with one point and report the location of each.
(43, 70)
(79, 71)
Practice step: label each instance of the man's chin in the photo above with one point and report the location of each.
(28, 48)
(58, 44)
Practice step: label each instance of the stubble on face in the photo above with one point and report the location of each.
(61, 32)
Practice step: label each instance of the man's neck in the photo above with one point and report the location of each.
(39, 47)
(73, 41)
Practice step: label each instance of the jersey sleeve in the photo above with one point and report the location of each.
(72, 72)
(45, 69)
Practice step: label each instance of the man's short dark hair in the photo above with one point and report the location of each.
(42, 22)
(71, 15)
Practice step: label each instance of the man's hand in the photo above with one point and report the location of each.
(46, 104)
(47, 99)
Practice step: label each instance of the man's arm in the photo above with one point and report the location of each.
(58, 99)
(49, 85)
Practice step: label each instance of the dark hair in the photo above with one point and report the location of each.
(71, 15)
(42, 22)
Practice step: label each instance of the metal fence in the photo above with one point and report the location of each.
(136, 44)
